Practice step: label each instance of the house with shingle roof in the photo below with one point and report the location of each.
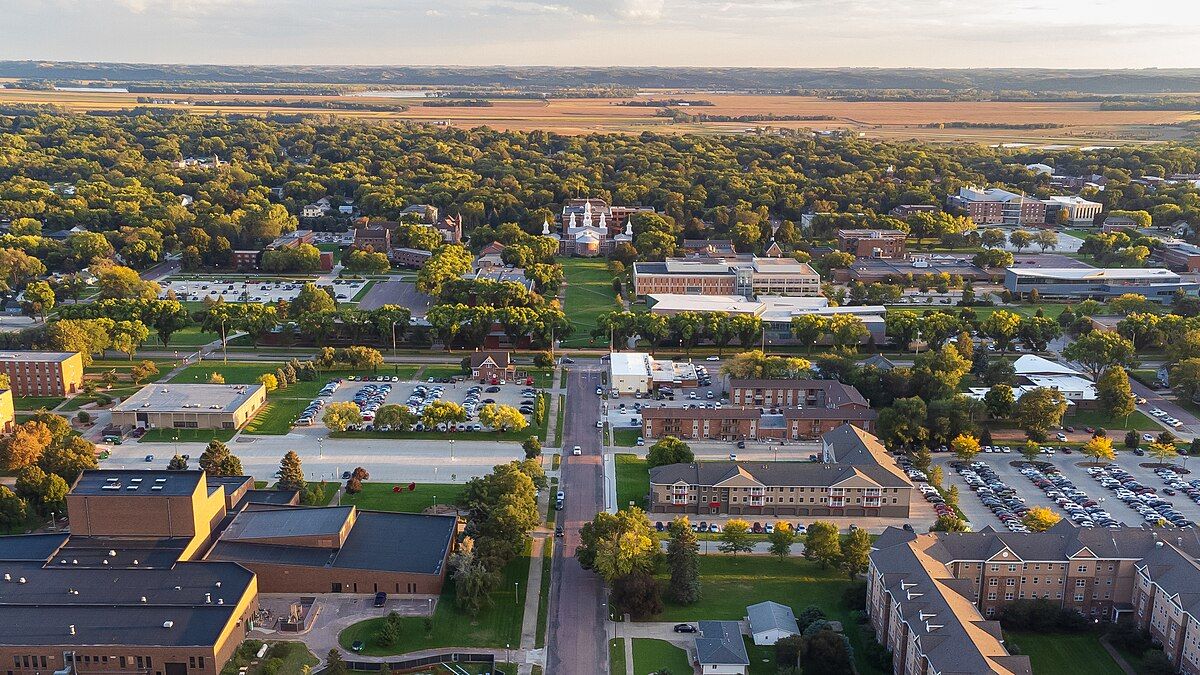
(770, 622)
(720, 649)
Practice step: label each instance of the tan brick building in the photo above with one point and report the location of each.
(856, 478)
(191, 406)
(33, 373)
(746, 276)
(8, 413)
(161, 570)
(1105, 574)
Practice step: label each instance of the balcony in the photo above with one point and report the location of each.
(837, 501)
(837, 492)
(872, 502)
(872, 492)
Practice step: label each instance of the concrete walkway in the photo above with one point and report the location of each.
(627, 631)
(529, 624)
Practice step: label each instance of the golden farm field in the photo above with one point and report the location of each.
(1078, 123)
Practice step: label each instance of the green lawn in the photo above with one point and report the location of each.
(276, 417)
(1138, 421)
(191, 336)
(1058, 653)
(37, 402)
(762, 658)
(543, 378)
(616, 657)
(442, 371)
(544, 593)
(633, 480)
(728, 584)
(625, 437)
(186, 435)
(379, 496)
(651, 656)
(497, 624)
(80, 400)
(589, 294)
(558, 425)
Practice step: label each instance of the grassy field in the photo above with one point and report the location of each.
(652, 656)
(37, 402)
(625, 437)
(281, 657)
(440, 371)
(589, 294)
(558, 422)
(380, 497)
(728, 584)
(616, 657)
(633, 480)
(497, 624)
(544, 593)
(1058, 653)
(276, 417)
(191, 336)
(1082, 123)
(1138, 421)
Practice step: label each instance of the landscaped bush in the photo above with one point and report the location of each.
(1041, 616)
(855, 597)
(1127, 636)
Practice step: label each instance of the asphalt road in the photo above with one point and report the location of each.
(577, 645)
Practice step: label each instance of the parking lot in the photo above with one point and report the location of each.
(266, 290)
(1071, 478)
(380, 390)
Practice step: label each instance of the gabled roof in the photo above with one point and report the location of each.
(720, 642)
(769, 615)
(848, 444)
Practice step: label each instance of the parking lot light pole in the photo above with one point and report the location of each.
(451, 449)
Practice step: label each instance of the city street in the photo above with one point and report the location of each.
(576, 638)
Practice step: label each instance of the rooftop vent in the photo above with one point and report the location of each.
(218, 584)
(144, 601)
(160, 480)
(21, 580)
(71, 629)
(135, 480)
(168, 624)
(112, 553)
(208, 598)
(156, 488)
(220, 601)
(7, 576)
(113, 479)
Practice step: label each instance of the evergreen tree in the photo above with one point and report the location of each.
(216, 460)
(291, 474)
(684, 563)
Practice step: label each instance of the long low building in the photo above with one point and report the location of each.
(855, 477)
(775, 311)
(931, 597)
(746, 276)
(191, 406)
(1156, 284)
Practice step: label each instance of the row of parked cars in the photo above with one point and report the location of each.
(309, 414)
(1079, 507)
(757, 527)
(370, 398)
(1166, 418)
(999, 497)
(1142, 498)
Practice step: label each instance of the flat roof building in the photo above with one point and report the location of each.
(191, 406)
(746, 276)
(1157, 284)
(34, 373)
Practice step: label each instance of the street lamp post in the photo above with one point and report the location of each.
(451, 449)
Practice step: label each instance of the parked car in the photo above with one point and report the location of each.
(576, 451)
(684, 628)
(380, 599)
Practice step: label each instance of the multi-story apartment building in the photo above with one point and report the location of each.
(736, 423)
(1106, 574)
(746, 276)
(856, 477)
(889, 244)
(800, 393)
(1178, 255)
(43, 373)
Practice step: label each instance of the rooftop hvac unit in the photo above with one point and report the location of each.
(168, 624)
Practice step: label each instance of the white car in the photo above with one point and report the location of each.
(577, 451)
(599, 424)
(713, 358)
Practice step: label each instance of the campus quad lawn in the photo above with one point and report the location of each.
(652, 656)
(589, 294)
(633, 480)
(1065, 653)
(379, 496)
(728, 584)
(37, 402)
(497, 625)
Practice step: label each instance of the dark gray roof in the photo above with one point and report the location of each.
(229, 484)
(31, 547)
(769, 615)
(174, 483)
(848, 444)
(721, 642)
(132, 553)
(398, 542)
(255, 524)
(105, 605)
(836, 393)
(392, 542)
(271, 496)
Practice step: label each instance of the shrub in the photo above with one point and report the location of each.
(84, 417)
(1041, 616)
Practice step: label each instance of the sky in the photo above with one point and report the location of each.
(765, 33)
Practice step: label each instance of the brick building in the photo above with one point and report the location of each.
(191, 406)
(33, 373)
(856, 477)
(488, 366)
(889, 244)
(1105, 574)
(800, 393)
(8, 413)
(161, 571)
(746, 276)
